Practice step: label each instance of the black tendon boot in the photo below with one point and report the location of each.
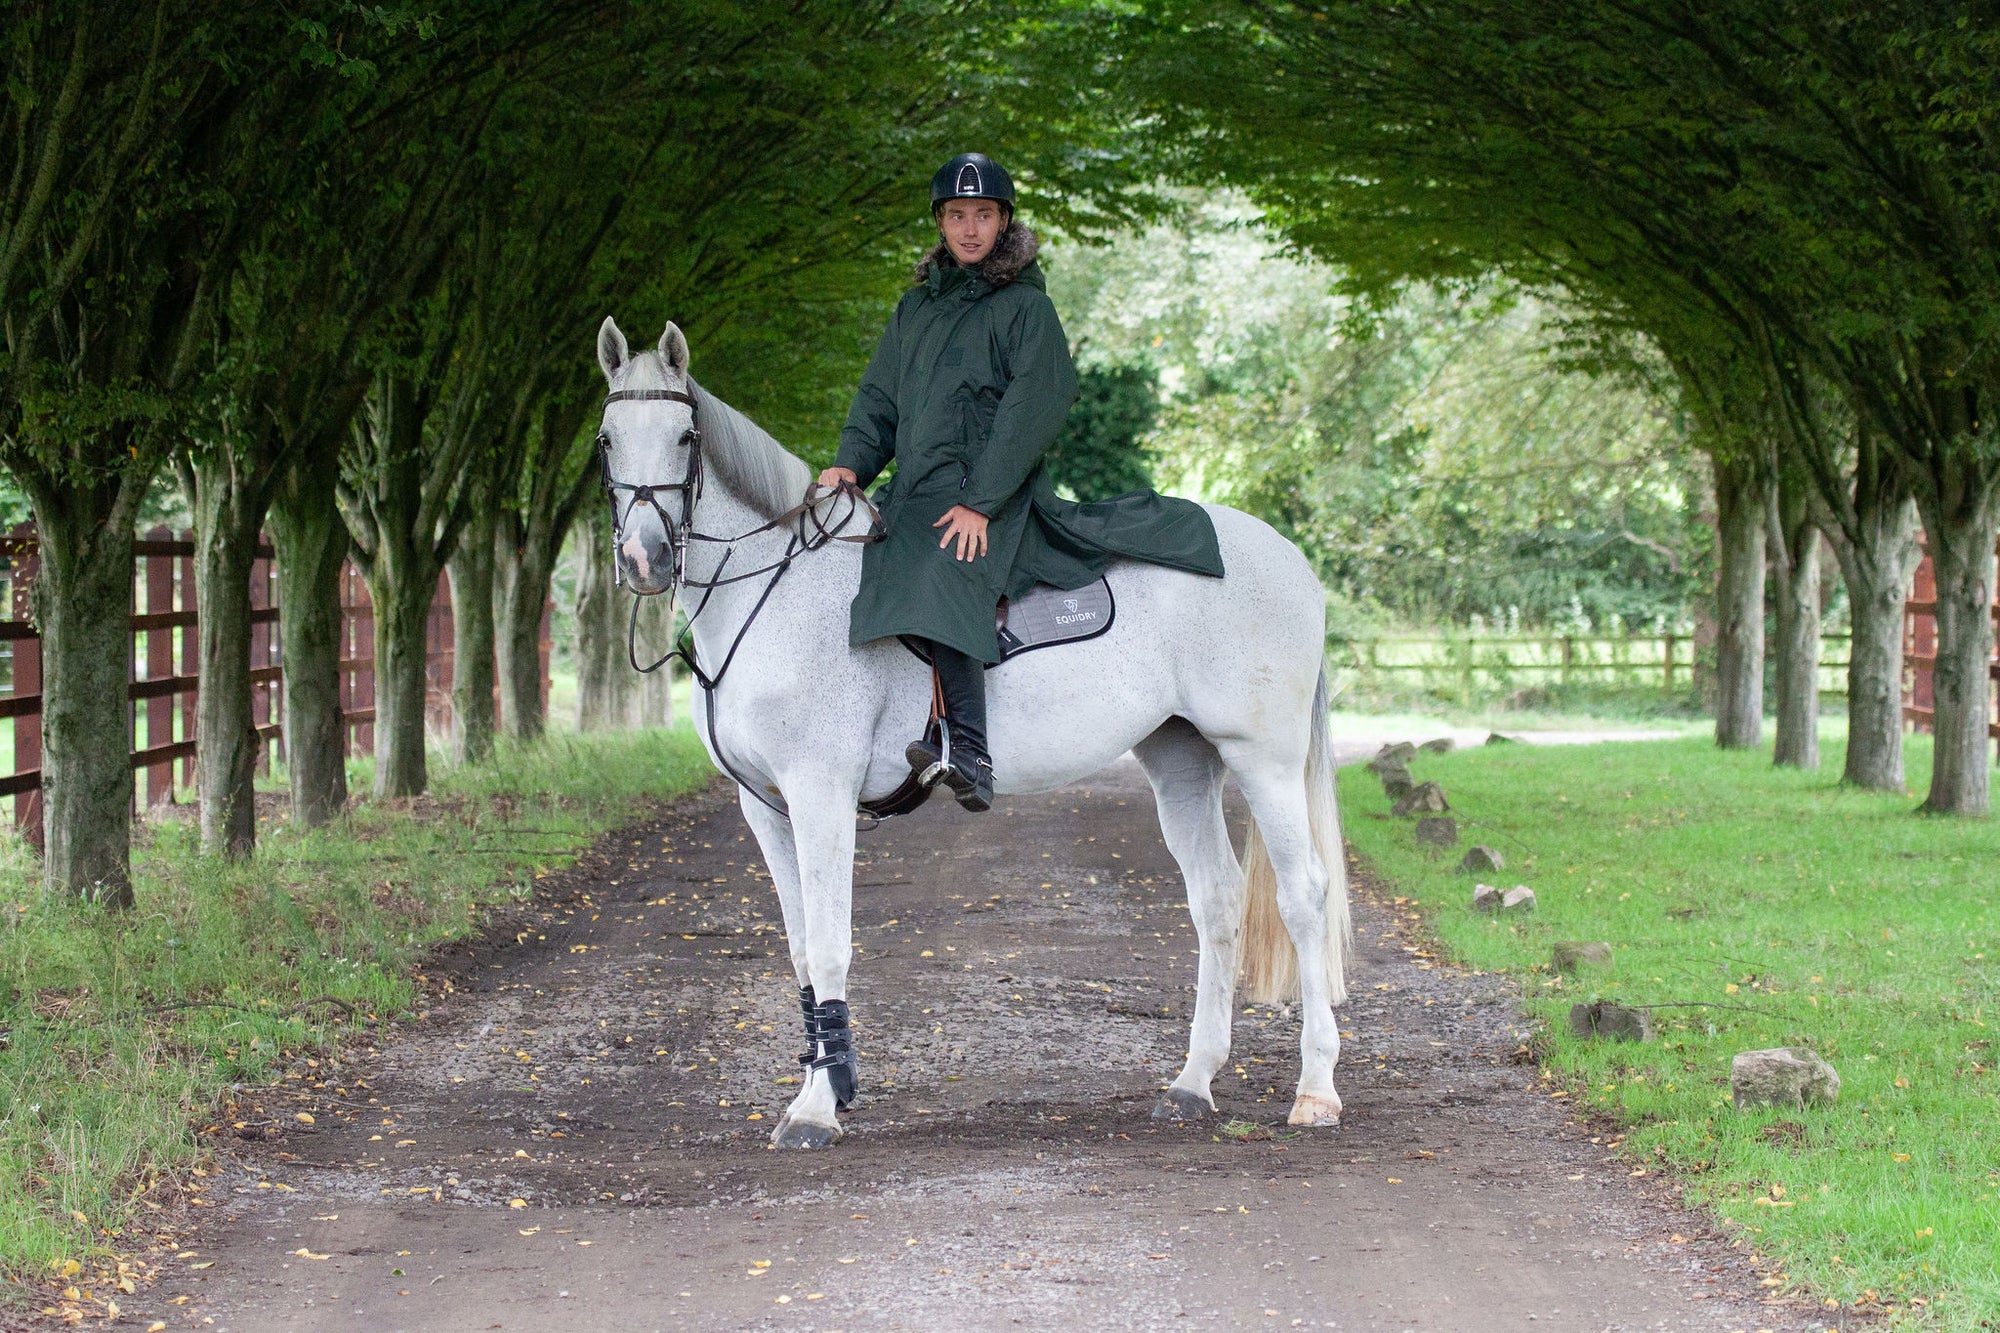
(828, 1047)
(970, 773)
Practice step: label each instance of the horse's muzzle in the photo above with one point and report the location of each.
(646, 562)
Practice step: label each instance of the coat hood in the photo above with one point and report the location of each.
(1011, 253)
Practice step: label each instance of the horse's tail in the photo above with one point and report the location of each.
(1270, 962)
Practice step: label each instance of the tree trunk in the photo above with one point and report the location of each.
(83, 604)
(226, 741)
(472, 589)
(1739, 604)
(311, 543)
(601, 668)
(402, 651)
(1961, 546)
(520, 591)
(1793, 540)
(1877, 573)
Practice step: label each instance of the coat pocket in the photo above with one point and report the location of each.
(977, 409)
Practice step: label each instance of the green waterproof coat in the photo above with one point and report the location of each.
(967, 390)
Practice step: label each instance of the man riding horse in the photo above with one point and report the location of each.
(965, 393)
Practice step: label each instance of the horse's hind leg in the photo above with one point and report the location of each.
(1277, 792)
(1186, 773)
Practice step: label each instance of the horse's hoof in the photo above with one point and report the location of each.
(1179, 1104)
(804, 1134)
(1310, 1110)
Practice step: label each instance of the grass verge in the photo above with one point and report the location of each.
(117, 1031)
(1826, 917)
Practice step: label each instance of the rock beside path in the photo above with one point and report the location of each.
(1426, 798)
(1482, 859)
(1401, 752)
(1787, 1076)
(1605, 1021)
(1438, 745)
(1520, 898)
(1437, 831)
(1576, 955)
(1485, 898)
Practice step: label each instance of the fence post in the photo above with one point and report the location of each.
(27, 681)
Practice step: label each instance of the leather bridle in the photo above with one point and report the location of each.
(689, 487)
(810, 534)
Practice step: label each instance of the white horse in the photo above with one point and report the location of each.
(1197, 677)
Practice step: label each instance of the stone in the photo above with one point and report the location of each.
(1437, 831)
(1426, 798)
(1389, 769)
(1397, 788)
(1520, 898)
(1481, 859)
(1401, 752)
(1495, 738)
(1438, 745)
(1576, 955)
(1786, 1076)
(1605, 1021)
(1485, 898)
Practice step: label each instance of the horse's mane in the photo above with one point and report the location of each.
(759, 470)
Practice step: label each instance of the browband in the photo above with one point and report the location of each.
(650, 396)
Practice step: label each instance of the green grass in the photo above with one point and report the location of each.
(101, 1083)
(1844, 921)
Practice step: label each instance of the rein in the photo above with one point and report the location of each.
(811, 533)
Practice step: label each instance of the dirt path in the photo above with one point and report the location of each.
(1020, 995)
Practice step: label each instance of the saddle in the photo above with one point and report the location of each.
(1045, 617)
(1042, 617)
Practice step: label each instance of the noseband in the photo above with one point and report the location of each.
(646, 494)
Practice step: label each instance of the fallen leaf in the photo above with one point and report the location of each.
(305, 1253)
(303, 1118)
(517, 1203)
(206, 1263)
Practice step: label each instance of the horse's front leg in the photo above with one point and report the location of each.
(774, 836)
(817, 890)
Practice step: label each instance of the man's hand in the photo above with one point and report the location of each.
(967, 527)
(834, 477)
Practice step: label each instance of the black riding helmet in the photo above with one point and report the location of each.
(972, 176)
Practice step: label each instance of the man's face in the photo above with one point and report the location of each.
(970, 227)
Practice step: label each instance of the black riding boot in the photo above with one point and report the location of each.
(970, 773)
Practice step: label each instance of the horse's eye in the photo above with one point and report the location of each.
(688, 439)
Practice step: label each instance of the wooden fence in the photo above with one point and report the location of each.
(166, 667)
(1478, 664)
(1920, 652)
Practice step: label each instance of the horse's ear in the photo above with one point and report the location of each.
(674, 347)
(612, 353)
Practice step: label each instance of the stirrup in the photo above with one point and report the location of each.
(924, 759)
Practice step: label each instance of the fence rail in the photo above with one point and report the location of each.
(1484, 662)
(166, 666)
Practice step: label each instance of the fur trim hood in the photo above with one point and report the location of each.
(1015, 249)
